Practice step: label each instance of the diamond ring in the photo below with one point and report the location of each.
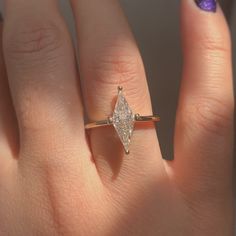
(123, 120)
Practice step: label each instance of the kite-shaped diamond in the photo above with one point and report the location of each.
(123, 120)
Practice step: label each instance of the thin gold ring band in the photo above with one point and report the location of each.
(109, 121)
(123, 120)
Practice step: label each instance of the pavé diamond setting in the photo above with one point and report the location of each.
(123, 120)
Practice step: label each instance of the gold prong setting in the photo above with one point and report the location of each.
(137, 117)
(120, 88)
(110, 120)
(123, 120)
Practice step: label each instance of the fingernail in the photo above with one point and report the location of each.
(207, 5)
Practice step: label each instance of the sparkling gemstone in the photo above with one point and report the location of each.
(123, 120)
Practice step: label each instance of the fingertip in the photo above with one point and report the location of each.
(202, 29)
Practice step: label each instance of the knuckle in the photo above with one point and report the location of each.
(220, 43)
(216, 45)
(33, 43)
(211, 115)
(36, 114)
(116, 64)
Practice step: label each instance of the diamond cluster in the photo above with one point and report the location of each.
(123, 120)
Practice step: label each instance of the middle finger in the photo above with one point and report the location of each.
(43, 80)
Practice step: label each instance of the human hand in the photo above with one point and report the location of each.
(55, 181)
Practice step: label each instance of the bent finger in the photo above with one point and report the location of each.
(204, 126)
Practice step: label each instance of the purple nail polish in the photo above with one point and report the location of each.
(207, 5)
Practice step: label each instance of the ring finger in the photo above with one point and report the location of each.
(109, 57)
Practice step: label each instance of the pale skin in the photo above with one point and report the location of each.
(55, 180)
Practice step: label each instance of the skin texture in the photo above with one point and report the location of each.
(57, 180)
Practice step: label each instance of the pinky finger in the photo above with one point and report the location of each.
(204, 127)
